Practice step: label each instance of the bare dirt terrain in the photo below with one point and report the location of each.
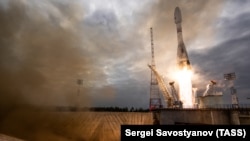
(69, 126)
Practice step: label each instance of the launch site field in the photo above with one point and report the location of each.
(67, 126)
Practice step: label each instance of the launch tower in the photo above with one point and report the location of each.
(155, 99)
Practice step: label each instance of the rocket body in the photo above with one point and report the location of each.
(182, 56)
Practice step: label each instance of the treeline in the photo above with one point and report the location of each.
(118, 109)
(102, 109)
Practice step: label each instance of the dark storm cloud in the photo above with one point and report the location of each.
(103, 19)
(230, 55)
(238, 26)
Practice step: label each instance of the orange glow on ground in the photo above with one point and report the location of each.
(184, 78)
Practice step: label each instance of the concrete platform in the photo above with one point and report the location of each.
(204, 116)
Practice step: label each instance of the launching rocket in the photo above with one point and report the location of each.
(182, 56)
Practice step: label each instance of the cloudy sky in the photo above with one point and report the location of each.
(46, 46)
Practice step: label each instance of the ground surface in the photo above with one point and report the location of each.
(69, 126)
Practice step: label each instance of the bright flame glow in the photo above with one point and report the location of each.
(184, 77)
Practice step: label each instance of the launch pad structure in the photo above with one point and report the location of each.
(206, 109)
(155, 99)
(172, 99)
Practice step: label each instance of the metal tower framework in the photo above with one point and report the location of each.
(231, 77)
(155, 99)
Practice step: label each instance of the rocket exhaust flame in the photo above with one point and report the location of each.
(184, 77)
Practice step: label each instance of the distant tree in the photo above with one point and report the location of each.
(132, 109)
